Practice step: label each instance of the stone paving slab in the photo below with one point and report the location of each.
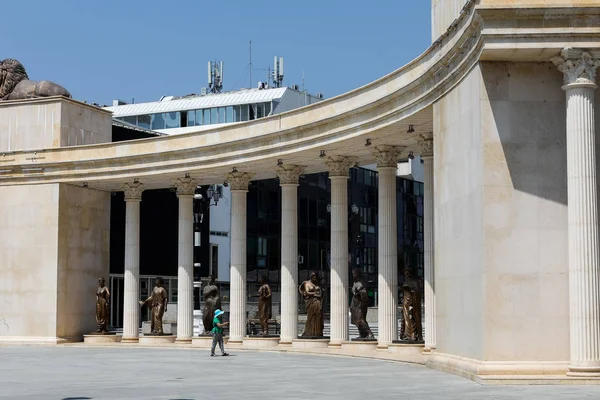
(86, 373)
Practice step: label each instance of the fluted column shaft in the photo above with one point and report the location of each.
(387, 242)
(583, 230)
(584, 250)
(288, 178)
(289, 262)
(339, 260)
(339, 168)
(131, 295)
(428, 254)
(185, 270)
(426, 144)
(237, 306)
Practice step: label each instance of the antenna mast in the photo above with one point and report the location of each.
(215, 76)
(250, 64)
(277, 71)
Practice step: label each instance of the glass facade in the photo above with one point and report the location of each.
(264, 228)
(206, 116)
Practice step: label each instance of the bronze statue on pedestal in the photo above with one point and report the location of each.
(264, 304)
(313, 298)
(360, 305)
(212, 302)
(102, 306)
(157, 302)
(410, 328)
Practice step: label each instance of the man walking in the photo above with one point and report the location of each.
(218, 333)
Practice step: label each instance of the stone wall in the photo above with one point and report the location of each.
(83, 256)
(51, 122)
(501, 215)
(443, 12)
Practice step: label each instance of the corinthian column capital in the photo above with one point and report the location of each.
(578, 66)
(340, 165)
(387, 156)
(239, 180)
(133, 191)
(185, 186)
(289, 174)
(426, 145)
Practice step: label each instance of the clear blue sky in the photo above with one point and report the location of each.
(142, 49)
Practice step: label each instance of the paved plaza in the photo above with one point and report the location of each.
(61, 373)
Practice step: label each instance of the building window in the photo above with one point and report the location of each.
(157, 121)
(214, 260)
(214, 115)
(191, 118)
(172, 120)
(229, 114)
(206, 116)
(144, 121)
(244, 112)
(130, 120)
(267, 109)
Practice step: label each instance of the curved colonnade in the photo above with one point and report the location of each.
(330, 136)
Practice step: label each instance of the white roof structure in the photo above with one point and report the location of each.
(168, 104)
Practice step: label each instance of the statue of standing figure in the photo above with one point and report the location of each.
(360, 305)
(212, 302)
(264, 304)
(313, 299)
(410, 328)
(157, 302)
(102, 306)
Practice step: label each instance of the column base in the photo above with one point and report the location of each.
(584, 372)
(310, 343)
(184, 340)
(261, 342)
(130, 339)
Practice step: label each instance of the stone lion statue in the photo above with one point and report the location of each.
(15, 84)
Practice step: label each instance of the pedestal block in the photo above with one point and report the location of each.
(154, 340)
(95, 338)
(310, 343)
(261, 342)
(359, 346)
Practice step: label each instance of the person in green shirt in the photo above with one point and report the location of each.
(217, 331)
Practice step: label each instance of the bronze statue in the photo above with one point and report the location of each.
(410, 328)
(212, 302)
(312, 294)
(157, 302)
(15, 84)
(360, 305)
(102, 306)
(264, 304)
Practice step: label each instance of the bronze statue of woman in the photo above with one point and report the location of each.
(410, 328)
(264, 304)
(102, 306)
(158, 303)
(360, 305)
(212, 302)
(312, 294)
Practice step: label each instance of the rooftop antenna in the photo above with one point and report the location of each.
(215, 76)
(250, 64)
(277, 71)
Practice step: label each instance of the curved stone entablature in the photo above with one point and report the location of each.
(380, 110)
(15, 84)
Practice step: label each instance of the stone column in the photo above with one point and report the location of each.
(186, 188)
(237, 307)
(579, 68)
(426, 144)
(131, 295)
(387, 251)
(338, 174)
(288, 179)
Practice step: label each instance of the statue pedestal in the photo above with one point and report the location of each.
(101, 338)
(360, 346)
(261, 342)
(205, 341)
(154, 340)
(407, 351)
(309, 343)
